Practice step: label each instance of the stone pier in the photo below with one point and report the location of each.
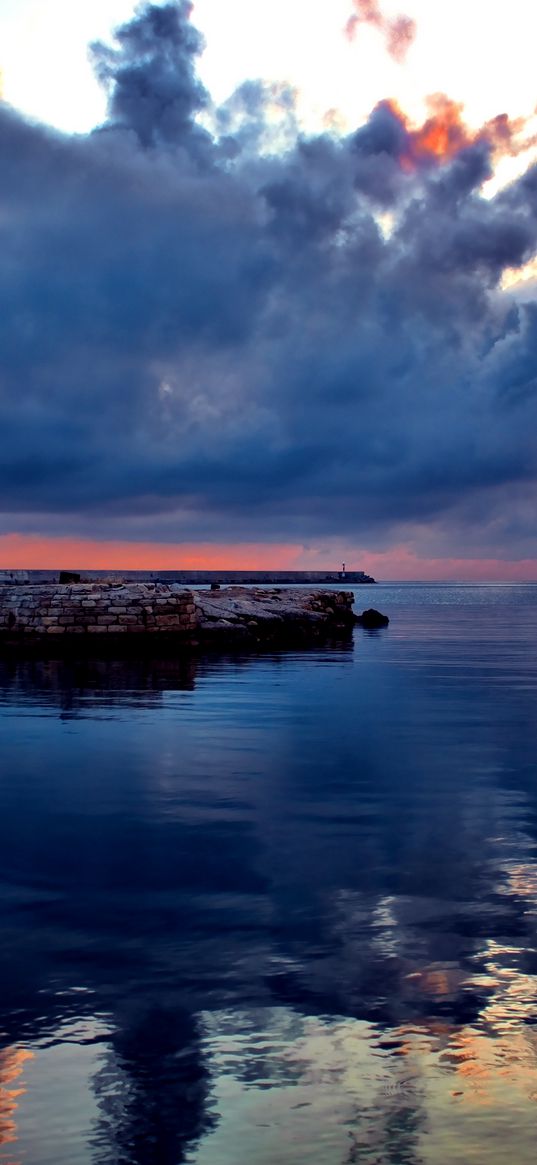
(53, 615)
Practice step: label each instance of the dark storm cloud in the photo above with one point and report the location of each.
(151, 77)
(203, 339)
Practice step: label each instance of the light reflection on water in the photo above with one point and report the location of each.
(278, 907)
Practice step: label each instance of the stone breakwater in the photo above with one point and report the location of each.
(111, 613)
(197, 578)
(86, 609)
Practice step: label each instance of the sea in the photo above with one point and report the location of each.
(276, 907)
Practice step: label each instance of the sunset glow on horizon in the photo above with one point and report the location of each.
(400, 563)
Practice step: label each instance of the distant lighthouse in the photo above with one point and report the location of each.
(343, 570)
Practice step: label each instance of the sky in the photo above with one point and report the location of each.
(267, 291)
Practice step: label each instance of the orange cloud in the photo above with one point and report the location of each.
(399, 33)
(444, 133)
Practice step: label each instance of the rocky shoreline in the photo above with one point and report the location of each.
(274, 615)
(119, 615)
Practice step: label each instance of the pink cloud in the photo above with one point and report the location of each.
(401, 562)
(398, 33)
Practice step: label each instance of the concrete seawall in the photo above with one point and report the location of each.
(55, 616)
(193, 578)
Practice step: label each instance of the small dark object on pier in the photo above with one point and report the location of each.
(215, 586)
(69, 576)
(372, 618)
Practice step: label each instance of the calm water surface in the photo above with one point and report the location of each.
(276, 908)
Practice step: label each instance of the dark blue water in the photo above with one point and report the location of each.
(276, 908)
